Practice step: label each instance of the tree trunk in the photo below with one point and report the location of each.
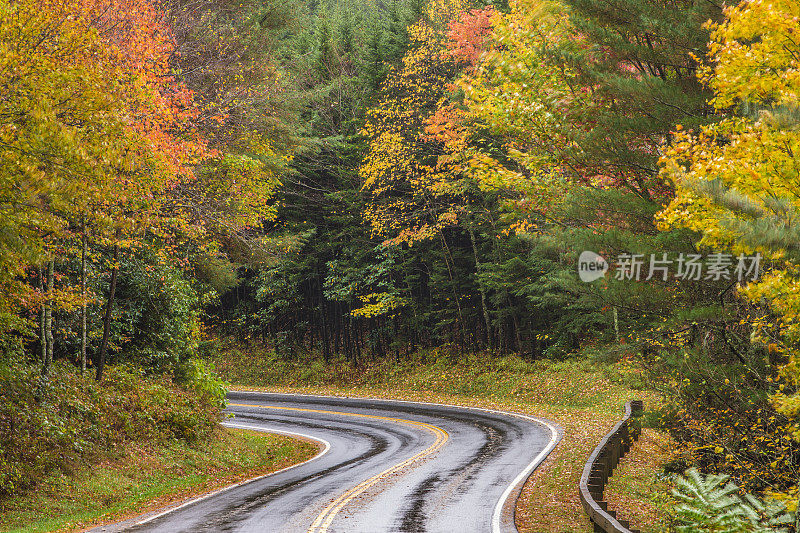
(348, 336)
(456, 298)
(42, 315)
(101, 360)
(357, 339)
(48, 322)
(326, 343)
(337, 327)
(517, 333)
(487, 321)
(84, 334)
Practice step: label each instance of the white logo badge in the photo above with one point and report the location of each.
(591, 266)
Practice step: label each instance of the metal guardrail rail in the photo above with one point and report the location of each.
(600, 466)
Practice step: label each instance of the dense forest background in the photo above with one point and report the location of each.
(363, 180)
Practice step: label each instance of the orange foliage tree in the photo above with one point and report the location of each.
(94, 130)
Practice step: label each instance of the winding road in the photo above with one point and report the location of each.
(383, 466)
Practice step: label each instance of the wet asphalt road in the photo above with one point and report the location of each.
(383, 466)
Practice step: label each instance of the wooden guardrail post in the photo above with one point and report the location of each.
(602, 463)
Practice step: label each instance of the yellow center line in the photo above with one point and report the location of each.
(324, 519)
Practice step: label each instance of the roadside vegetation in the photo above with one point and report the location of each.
(58, 425)
(77, 451)
(144, 476)
(640, 489)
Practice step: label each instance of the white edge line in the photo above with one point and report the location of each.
(555, 437)
(326, 448)
(501, 503)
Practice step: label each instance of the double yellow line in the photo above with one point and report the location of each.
(324, 519)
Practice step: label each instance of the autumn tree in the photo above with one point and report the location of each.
(413, 172)
(96, 130)
(737, 181)
(582, 97)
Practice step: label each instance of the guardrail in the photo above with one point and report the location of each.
(601, 464)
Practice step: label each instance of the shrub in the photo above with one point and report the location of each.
(53, 424)
(159, 314)
(202, 377)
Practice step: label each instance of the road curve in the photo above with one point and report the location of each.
(383, 466)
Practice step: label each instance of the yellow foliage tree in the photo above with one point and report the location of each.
(414, 172)
(519, 96)
(408, 176)
(95, 136)
(738, 181)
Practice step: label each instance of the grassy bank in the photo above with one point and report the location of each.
(638, 490)
(68, 419)
(583, 395)
(143, 478)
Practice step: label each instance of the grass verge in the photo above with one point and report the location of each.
(583, 396)
(638, 490)
(144, 478)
